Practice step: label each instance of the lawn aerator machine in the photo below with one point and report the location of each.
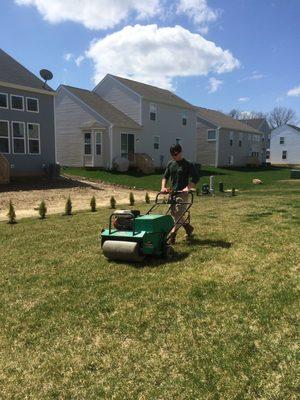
(132, 236)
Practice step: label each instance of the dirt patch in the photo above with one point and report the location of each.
(26, 196)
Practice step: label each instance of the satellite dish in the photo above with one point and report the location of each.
(46, 75)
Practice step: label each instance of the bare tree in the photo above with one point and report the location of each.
(281, 115)
(234, 113)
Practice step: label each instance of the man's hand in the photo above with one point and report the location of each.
(164, 190)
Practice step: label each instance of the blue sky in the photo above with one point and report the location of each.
(218, 54)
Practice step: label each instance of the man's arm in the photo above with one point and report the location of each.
(163, 184)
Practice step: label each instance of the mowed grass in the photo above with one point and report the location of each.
(217, 322)
(240, 179)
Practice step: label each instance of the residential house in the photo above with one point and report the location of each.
(89, 129)
(285, 145)
(132, 117)
(27, 130)
(261, 124)
(223, 141)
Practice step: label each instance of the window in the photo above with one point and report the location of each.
(33, 137)
(254, 154)
(32, 105)
(184, 118)
(178, 140)
(3, 100)
(267, 154)
(211, 134)
(18, 134)
(87, 144)
(281, 140)
(231, 138)
(156, 142)
(240, 139)
(284, 154)
(17, 102)
(4, 137)
(98, 143)
(153, 112)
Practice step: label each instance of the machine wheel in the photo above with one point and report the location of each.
(169, 252)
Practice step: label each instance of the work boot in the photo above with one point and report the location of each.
(189, 229)
(172, 239)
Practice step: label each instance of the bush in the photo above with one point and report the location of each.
(11, 214)
(147, 198)
(68, 207)
(42, 210)
(113, 202)
(93, 204)
(131, 199)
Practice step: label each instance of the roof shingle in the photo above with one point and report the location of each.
(102, 107)
(11, 71)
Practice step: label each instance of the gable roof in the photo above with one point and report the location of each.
(224, 121)
(102, 107)
(153, 93)
(295, 127)
(11, 71)
(254, 122)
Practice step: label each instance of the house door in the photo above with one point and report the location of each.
(127, 146)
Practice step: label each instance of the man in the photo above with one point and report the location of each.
(180, 171)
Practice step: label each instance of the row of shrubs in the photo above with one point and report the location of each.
(68, 207)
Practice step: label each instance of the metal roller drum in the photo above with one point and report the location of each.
(121, 250)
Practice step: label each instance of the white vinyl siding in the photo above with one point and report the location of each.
(33, 139)
(18, 136)
(4, 137)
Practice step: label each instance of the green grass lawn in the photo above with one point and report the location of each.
(239, 178)
(217, 322)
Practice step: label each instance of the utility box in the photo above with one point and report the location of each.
(295, 174)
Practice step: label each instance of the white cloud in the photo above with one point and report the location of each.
(243, 99)
(94, 14)
(199, 12)
(253, 77)
(79, 60)
(68, 56)
(156, 55)
(294, 92)
(214, 85)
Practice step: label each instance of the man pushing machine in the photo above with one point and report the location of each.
(184, 178)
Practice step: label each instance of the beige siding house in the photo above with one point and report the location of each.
(223, 141)
(261, 124)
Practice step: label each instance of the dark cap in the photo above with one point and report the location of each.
(175, 149)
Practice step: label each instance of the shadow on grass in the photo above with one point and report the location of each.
(153, 262)
(40, 183)
(210, 243)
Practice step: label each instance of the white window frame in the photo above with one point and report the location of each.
(178, 140)
(16, 109)
(184, 115)
(284, 151)
(156, 140)
(38, 105)
(212, 130)
(98, 143)
(153, 110)
(39, 139)
(267, 154)
(5, 108)
(17, 138)
(281, 140)
(8, 137)
(87, 144)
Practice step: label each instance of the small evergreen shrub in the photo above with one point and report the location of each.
(42, 210)
(147, 198)
(68, 207)
(11, 214)
(113, 202)
(93, 204)
(131, 199)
